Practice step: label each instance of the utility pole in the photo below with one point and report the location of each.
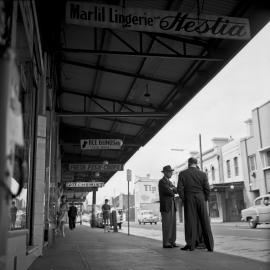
(128, 180)
(200, 142)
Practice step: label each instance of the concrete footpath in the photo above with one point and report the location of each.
(256, 248)
(92, 249)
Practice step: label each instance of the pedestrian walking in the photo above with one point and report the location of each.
(167, 193)
(13, 215)
(193, 189)
(72, 215)
(106, 208)
(63, 215)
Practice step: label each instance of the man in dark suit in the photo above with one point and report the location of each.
(72, 214)
(167, 208)
(193, 189)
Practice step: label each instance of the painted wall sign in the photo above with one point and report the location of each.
(92, 144)
(150, 20)
(95, 167)
(83, 184)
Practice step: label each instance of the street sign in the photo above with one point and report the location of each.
(85, 167)
(97, 144)
(83, 184)
(129, 175)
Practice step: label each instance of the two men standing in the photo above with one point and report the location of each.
(193, 189)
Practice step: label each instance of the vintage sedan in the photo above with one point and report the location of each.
(259, 213)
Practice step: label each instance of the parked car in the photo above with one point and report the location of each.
(147, 216)
(259, 213)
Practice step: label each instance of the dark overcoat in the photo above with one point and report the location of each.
(193, 189)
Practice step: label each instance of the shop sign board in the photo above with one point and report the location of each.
(160, 21)
(84, 167)
(95, 144)
(83, 184)
(68, 177)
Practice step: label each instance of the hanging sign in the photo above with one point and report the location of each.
(83, 184)
(93, 144)
(160, 21)
(84, 167)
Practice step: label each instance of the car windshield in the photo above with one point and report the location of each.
(258, 202)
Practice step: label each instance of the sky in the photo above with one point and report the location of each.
(218, 110)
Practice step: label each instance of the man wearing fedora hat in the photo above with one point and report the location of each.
(167, 192)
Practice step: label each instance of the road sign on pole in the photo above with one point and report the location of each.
(129, 175)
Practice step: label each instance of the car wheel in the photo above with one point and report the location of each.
(252, 223)
(156, 223)
(139, 223)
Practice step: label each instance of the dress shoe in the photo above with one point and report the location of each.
(210, 250)
(167, 246)
(174, 245)
(186, 247)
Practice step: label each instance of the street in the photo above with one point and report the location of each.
(230, 238)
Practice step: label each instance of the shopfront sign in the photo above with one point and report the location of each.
(93, 144)
(160, 21)
(84, 167)
(83, 184)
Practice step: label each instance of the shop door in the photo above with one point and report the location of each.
(234, 205)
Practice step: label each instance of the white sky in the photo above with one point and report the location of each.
(218, 110)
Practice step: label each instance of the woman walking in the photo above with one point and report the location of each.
(63, 215)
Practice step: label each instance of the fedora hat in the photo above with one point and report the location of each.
(167, 168)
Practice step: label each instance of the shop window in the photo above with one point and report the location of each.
(213, 173)
(20, 207)
(252, 163)
(228, 164)
(236, 167)
(268, 158)
(213, 206)
(206, 171)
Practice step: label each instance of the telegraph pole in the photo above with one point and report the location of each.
(128, 180)
(200, 142)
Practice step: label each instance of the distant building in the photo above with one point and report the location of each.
(255, 150)
(146, 195)
(120, 202)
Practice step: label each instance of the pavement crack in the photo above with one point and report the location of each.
(83, 258)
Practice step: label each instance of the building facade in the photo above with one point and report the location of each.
(255, 150)
(124, 202)
(222, 165)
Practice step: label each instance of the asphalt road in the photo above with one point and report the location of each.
(231, 238)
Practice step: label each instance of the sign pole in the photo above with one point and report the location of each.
(128, 207)
(201, 163)
(128, 180)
